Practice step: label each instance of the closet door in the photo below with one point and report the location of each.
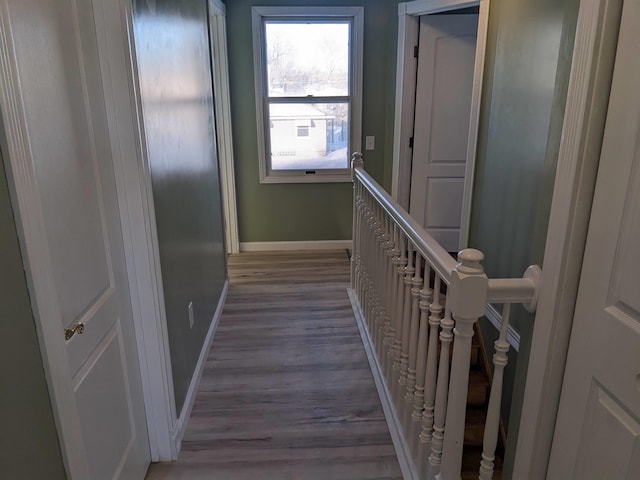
(67, 208)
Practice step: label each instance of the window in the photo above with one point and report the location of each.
(308, 69)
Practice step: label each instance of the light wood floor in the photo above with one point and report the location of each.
(287, 392)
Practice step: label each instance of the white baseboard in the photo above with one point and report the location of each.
(403, 452)
(181, 424)
(513, 337)
(302, 245)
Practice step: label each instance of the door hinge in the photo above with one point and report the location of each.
(415, 51)
(411, 142)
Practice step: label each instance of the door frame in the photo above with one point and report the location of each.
(408, 26)
(222, 106)
(578, 159)
(113, 21)
(114, 25)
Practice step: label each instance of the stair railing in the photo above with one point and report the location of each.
(419, 306)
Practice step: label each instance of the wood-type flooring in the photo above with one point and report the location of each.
(286, 392)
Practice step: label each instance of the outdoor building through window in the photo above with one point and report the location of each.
(308, 64)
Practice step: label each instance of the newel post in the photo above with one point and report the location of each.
(468, 297)
(356, 161)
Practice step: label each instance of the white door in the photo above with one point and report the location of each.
(68, 209)
(446, 59)
(597, 432)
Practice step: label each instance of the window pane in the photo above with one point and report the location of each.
(309, 136)
(307, 59)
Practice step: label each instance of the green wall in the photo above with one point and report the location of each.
(29, 446)
(288, 212)
(172, 46)
(524, 94)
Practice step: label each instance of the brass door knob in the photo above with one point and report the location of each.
(70, 332)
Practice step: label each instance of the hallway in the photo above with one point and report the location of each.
(287, 392)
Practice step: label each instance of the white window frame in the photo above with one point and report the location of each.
(356, 16)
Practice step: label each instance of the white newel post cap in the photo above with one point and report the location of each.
(469, 285)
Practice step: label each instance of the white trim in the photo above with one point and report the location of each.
(587, 100)
(356, 54)
(474, 123)
(302, 245)
(220, 74)
(494, 317)
(133, 182)
(403, 451)
(183, 420)
(136, 210)
(218, 7)
(422, 7)
(406, 71)
(408, 20)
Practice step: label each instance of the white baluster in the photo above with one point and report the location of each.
(397, 342)
(431, 367)
(359, 244)
(387, 255)
(406, 324)
(468, 296)
(379, 261)
(416, 283)
(373, 240)
(371, 248)
(436, 398)
(492, 423)
(363, 258)
(356, 161)
(361, 241)
(368, 255)
(393, 284)
(426, 296)
(355, 249)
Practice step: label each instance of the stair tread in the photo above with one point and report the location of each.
(478, 393)
(474, 427)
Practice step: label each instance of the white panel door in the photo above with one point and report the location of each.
(597, 432)
(74, 249)
(446, 62)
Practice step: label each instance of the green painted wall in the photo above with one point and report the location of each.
(524, 94)
(172, 47)
(29, 446)
(287, 212)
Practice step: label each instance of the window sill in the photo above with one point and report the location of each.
(307, 178)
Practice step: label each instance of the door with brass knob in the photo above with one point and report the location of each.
(70, 221)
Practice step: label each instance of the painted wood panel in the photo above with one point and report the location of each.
(68, 207)
(442, 114)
